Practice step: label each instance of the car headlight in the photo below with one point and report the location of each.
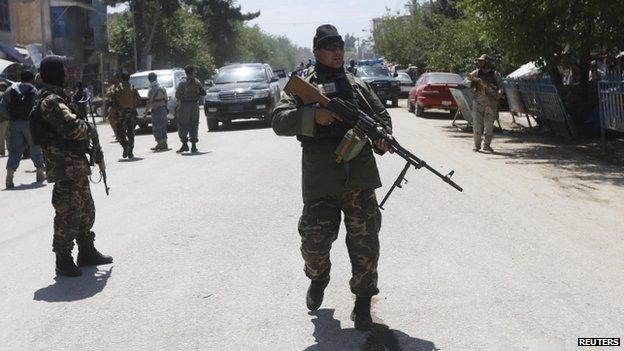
(214, 97)
(394, 84)
(260, 93)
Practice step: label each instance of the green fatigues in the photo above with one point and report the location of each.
(330, 188)
(125, 101)
(484, 107)
(68, 169)
(188, 94)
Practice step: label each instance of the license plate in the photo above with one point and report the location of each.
(236, 108)
(446, 103)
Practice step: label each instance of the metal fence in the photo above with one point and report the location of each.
(611, 102)
(540, 99)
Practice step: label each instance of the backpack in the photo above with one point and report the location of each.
(21, 103)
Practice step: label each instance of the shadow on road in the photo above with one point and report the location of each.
(242, 125)
(134, 159)
(66, 289)
(198, 153)
(33, 185)
(330, 336)
(582, 161)
(436, 115)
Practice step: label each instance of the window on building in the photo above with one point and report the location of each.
(5, 17)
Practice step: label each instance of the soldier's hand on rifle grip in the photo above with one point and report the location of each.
(324, 117)
(383, 146)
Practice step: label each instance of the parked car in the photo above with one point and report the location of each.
(432, 91)
(241, 91)
(382, 82)
(168, 79)
(406, 83)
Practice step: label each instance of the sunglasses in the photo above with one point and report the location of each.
(337, 46)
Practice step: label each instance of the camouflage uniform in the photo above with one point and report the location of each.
(188, 93)
(125, 101)
(112, 110)
(65, 139)
(485, 106)
(330, 188)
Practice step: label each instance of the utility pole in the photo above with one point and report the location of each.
(134, 42)
(43, 27)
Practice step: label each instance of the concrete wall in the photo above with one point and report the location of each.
(27, 22)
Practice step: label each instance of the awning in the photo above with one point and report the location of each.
(68, 3)
(526, 71)
(13, 54)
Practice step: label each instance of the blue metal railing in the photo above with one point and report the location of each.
(611, 102)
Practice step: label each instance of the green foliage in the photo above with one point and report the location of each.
(121, 36)
(253, 45)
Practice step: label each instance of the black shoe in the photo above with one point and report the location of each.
(130, 154)
(183, 148)
(314, 297)
(88, 255)
(125, 152)
(361, 314)
(193, 147)
(65, 265)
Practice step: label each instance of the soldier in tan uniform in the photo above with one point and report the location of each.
(125, 100)
(485, 83)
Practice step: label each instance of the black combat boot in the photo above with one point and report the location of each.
(125, 152)
(183, 148)
(316, 291)
(193, 147)
(88, 255)
(130, 154)
(65, 265)
(361, 314)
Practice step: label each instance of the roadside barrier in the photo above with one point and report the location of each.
(541, 100)
(514, 100)
(611, 102)
(465, 98)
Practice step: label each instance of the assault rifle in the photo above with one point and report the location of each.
(369, 126)
(96, 156)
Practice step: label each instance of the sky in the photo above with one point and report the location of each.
(297, 20)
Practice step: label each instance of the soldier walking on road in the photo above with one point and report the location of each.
(112, 113)
(18, 101)
(125, 100)
(332, 187)
(65, 138)
(188, 94)
(485, 83)
(157, 103)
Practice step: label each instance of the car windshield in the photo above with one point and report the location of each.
(444, 79)
(404, 76)
(373, 71)
(141, 82)
(240, 75)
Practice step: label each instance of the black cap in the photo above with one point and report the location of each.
(52, 70)
(326, 34)
(152, 77)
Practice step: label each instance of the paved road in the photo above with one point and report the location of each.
(528, 257)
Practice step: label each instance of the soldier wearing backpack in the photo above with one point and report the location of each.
(18, 100)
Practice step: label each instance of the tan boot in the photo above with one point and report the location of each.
(164, 144)
(41, 177)
(9, 179)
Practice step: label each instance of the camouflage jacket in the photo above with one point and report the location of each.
(189, 90)
(322, 176)
(65, 156)
(112, 109)
(125, 97)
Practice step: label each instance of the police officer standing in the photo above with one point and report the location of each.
(485, 83)
(125, 100)
(331, 186)
(65, 139)
(188, 94)
(18, 100)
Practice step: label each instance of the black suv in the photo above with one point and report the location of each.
(241, 91)
(382, 81)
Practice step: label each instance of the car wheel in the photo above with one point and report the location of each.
(452, 113)
(420, 111)
(395, 102)
(213, 124)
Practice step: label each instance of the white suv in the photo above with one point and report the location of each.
(168, 79)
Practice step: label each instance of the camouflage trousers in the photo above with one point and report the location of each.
(123, 125)
(319, 225)
(75, 214)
